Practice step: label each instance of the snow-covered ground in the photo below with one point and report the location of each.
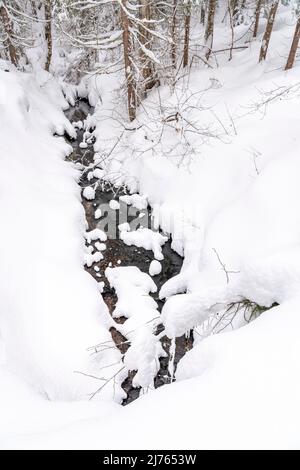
(231, 205)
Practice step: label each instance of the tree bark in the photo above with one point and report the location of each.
(48, 32)
(187, 27)
(294, 47)
(127, 47)
(257, 17)
(173, 35)
(33, 8)
(268, 31)
(9, 32)
(234, 9)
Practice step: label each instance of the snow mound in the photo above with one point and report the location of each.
(145, 238)
(96, 234)
(89, 193)
(50, 319)
(143, 317)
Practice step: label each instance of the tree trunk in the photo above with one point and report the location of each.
(173, 34)
(257, 17)
(127, 47)
(187, 27)
(234, 9)
(209, 31)
(33, 8)
(145, 39)
(48, 32)
(294, 47)
(9, 31)
(268, 31)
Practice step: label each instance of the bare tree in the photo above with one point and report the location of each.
(268, 31)
(294, 47)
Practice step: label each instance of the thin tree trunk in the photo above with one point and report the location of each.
(173, 35)
(9, 32)
(230, 10)
(257, 17)
(33, 8)
(130, 82)
(268, 31)
(209, 31)
(202, 13)
(48, 32)
(294, 47)
(187, 27)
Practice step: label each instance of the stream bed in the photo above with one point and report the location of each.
(117, 253)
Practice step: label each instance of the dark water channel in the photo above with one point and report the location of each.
(117, 253)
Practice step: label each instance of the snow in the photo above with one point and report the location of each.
(145, 238)
(90, 258)
(98, 214)
(155, 268)
(216, 362)
(142, 319)
(101, 286)
(125, 227)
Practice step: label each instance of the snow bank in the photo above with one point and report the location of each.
(51, 310)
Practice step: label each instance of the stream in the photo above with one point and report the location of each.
(117, 253)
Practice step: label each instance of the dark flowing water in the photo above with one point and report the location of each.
(117, 253)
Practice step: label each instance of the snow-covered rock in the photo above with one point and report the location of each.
(155, 268)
